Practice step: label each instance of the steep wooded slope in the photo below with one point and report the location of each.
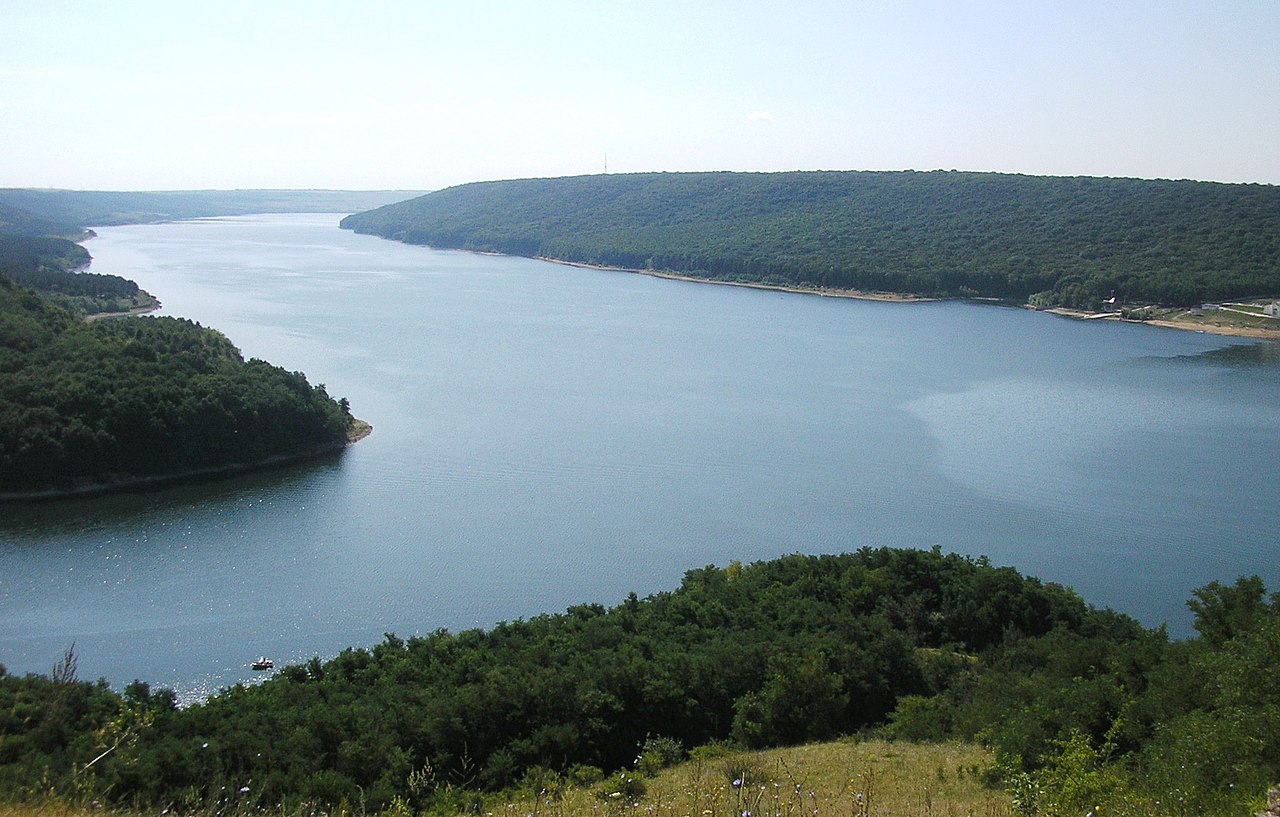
(1048, 240)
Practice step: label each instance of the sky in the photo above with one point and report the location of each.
(379, 94)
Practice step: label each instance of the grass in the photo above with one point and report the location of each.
(843, 778)
(1221, 318)
(838, 779)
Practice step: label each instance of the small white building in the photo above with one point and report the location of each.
(1272, 310)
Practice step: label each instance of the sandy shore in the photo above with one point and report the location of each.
(1234, 331)
(1193, 326)
(1207, 327)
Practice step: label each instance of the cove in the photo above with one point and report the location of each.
(548, 435)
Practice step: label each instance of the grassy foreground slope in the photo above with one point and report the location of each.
(834, 779)
(1051, 241)
(1077, 706)
(846, 778)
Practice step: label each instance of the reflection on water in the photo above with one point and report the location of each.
(548, 435)
(1264, 355)
(39, 520)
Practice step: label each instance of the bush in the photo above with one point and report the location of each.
(921, 719)
(658, 753)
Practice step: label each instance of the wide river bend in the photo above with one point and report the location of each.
(547, 435)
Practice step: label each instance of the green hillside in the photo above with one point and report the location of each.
(91, 406)
(19, 221)
(95, 207)
(1080, 707)
(56, 268)
(85, 405)
(1045, 240)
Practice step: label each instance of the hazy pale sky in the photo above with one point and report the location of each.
(364, 94)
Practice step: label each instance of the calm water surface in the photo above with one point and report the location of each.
(547, 435)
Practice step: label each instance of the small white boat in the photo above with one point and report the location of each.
(263, 663)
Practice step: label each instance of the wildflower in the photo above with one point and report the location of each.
(244, 789)
(737, 781)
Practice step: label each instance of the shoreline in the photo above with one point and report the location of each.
(898, 297)
(358, 431)
(855, 294)
(1252, 332)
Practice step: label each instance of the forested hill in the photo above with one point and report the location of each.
(19, 221)
(1046, 240)
(84, 405)
(54, 267)
(98, 207)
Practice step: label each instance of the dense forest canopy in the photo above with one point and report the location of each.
(55, 267)
(19, 221)
(93, 207)
(1045, 240)
(1083, 706)
(89, 403)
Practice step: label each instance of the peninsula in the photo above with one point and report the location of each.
(95, 405)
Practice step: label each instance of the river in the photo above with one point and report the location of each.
(547, 435)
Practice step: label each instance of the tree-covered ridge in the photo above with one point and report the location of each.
(1047, 240)
(19, 221)
(55, 267)
(83, 404)
(1084, 706)
(95, 207)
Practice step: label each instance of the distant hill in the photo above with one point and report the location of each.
(18, 221)
(1046, 240)
(92, 208)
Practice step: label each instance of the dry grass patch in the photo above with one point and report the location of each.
(839, 779)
